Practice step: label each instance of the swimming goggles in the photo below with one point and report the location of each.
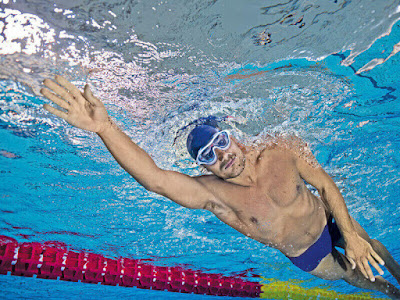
(206, 154)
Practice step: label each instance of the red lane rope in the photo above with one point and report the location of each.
(55, 262)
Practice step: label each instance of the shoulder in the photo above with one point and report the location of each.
(212, 184)
(207, 180)
(291, 146)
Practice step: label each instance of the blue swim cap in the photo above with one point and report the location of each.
(199, 137)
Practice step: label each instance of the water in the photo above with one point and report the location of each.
(158, 65)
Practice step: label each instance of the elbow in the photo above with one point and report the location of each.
(154, 187)
(322, 192)
(330, 195)
(326, 187)
(152, 182)
(156, 184)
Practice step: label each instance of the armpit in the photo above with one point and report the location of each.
(215, 208)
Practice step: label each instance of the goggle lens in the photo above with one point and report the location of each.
(206, 155)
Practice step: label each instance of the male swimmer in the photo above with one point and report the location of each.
(259, 191)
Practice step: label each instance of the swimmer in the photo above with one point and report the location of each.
(259, 191)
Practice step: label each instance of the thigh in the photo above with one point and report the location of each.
(334, 266)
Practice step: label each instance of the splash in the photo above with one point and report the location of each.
(287, 141)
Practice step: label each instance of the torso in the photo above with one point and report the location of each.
(277, 210)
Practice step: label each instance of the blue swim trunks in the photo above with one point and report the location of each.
(311, 258)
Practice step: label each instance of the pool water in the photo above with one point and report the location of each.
(327, 72)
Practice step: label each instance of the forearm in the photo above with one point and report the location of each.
(130, 156)
(357, 249)
(85, 111)
(337, 207)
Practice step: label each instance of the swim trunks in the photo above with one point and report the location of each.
(311, 258)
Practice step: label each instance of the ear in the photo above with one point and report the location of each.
(204, 170)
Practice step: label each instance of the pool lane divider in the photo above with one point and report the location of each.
(52, 262)
(55, 261)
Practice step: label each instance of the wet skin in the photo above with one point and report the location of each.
(261, 194)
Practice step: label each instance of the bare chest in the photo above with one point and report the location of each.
(278, 179)
(271, 210)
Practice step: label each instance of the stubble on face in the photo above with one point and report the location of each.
(231, 167)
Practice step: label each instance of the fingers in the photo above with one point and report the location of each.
(377, 258)
(65, 91)
(56, 111)
(364, 267)
(361, 267)
(61, 97)
(55, 99)
(372, 261)
(367, 269)
(373, 258)
(87, 93)
(62, 92)
(68, 86)
(352, 262)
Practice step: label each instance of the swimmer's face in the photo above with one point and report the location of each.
(230, 162)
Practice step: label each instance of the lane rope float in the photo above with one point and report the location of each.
(52, 261)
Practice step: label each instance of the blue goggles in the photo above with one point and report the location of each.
(206, 154)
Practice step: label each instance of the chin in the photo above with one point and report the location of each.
(226, 175)
(237, 173)
(234, 172)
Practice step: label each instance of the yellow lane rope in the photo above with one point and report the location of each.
(273, 289)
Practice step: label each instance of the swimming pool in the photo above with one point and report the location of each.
(294, 66)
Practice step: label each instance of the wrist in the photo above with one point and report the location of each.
(105, 127)
(350, 236)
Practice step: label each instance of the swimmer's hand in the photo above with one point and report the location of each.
(81, 110)
(360, 254)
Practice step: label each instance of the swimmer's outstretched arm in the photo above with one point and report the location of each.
(358, 251)
(87, 112)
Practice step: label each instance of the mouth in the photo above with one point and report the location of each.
(230, 163)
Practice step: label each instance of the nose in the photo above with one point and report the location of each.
(221, 154)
